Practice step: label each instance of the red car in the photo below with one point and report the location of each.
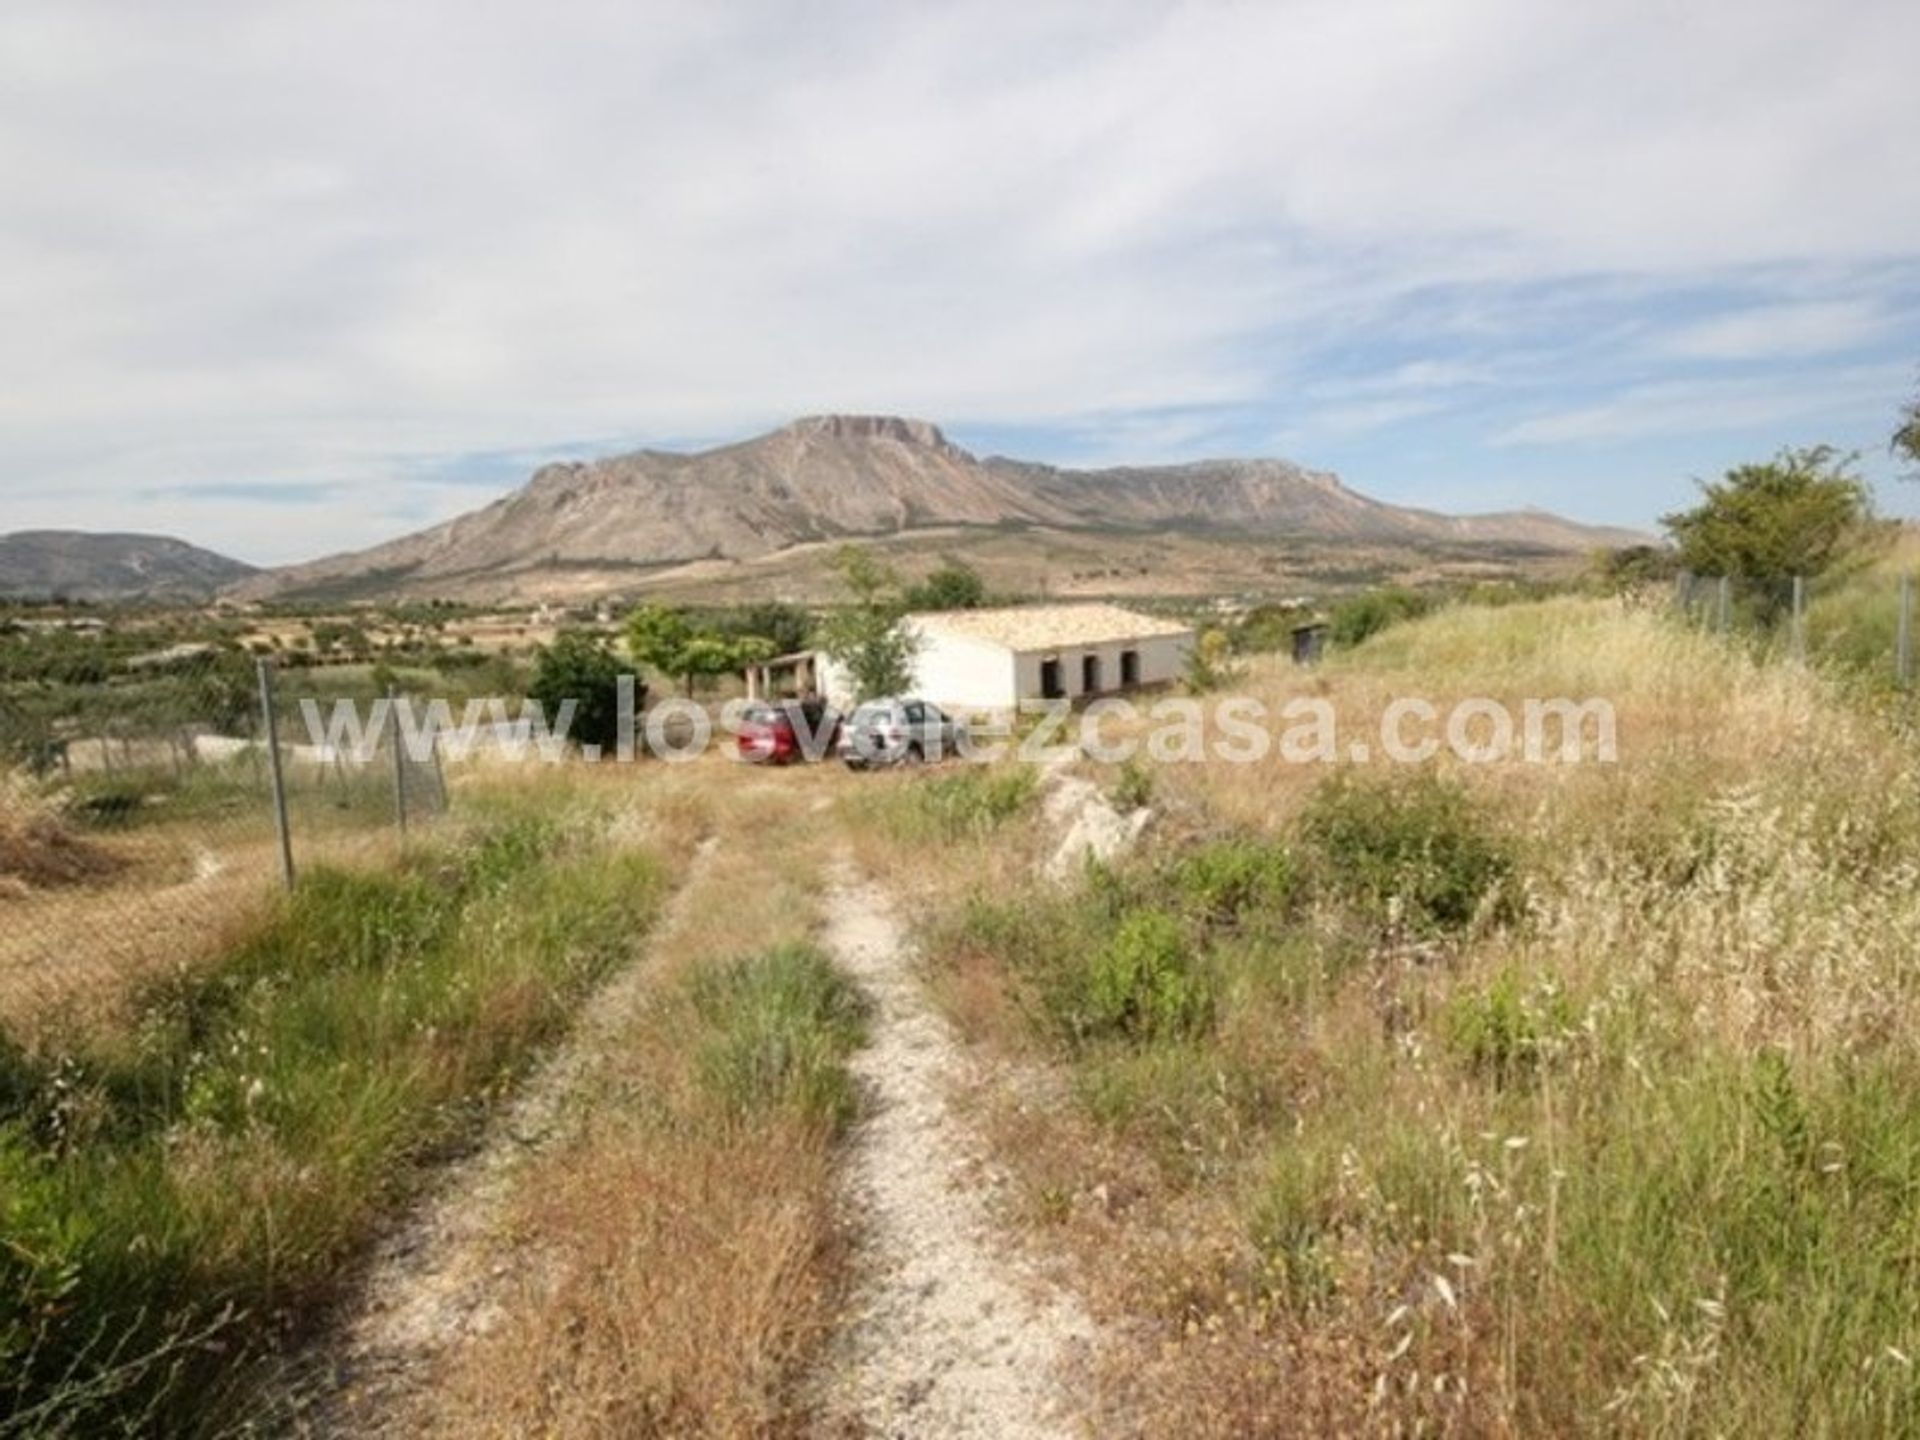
(780, 732)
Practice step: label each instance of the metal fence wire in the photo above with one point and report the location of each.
(1862, 626)
(145, 802)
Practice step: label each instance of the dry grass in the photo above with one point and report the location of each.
(1633, 1153)
(687, 1260)
(38, 849)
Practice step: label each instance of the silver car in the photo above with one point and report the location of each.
(899, 730)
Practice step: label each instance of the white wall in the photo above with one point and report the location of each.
(964, 674)
(957, 673)
(1163, 659)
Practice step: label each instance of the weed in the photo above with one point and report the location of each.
(1226, 880)
(1503, 1031)
(782, 1024)
(1412, 847)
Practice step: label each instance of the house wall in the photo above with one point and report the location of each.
(952, 671)
(1163, 659)
(964, 674)
(957, 673)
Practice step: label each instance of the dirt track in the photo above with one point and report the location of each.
(952, 1334)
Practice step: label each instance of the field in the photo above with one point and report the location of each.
(1498, 1098)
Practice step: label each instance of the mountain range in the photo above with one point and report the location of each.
(85, 565)
(732, 517)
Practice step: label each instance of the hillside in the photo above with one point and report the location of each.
(636, 520)
(81, 565)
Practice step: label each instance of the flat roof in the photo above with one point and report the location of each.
(1048, 627)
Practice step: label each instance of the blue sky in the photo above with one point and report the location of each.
(290, 278)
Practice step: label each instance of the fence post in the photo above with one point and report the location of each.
(399, 763)
(440, 774)
(264, 668)
(1903, 640)
(1800, 617)
(1726, 603)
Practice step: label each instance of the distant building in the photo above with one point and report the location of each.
(991, 660)
(1309, 642)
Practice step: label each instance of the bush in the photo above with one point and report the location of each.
(783, 1023)
(1132, 787)
(581, 669)
(1412, 845)
(1225, 880)
(1365, 616)
(1142, 984)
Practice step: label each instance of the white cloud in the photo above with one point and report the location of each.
(1692, 407)
(1811, 327)
(305, 242)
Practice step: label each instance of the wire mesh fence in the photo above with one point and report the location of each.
(1860, 625)
(146, 804)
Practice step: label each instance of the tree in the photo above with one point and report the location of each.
(1906, 440)
(786, 627)
(581, 668)
(1802, 513)
(1627, 568)
(658, 637)
(664, 639)
(954, 586)
(866, 635)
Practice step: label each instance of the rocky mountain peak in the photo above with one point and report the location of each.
(874, 427)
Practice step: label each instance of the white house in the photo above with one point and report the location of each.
(991, 660)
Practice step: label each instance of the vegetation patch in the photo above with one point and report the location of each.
(1414, 849)
(781, 1025)
(180, 1199)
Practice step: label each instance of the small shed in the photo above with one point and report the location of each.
(991, 660)
(1309, 642)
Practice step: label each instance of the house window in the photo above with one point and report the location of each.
(1050, 686)
(1129, 669)
(1090, 674)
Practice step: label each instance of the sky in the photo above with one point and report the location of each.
(284, 279)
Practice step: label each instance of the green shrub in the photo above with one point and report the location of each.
(1132, 786)
(782, 1025)
(1142, 984)
(1365, 616)
(1225, 880)
(1412, 844)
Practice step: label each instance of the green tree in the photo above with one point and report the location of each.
(581, 668)
(866, 635)
(658, 637)
(1906, 440)
(663, 639)
(786, 627)
(1634, 567)
(1802, 513)
(954, 586)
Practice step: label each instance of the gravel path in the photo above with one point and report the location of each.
(952, 1334)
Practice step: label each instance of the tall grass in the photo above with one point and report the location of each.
(1536, 1100)
(684, 1254)
(179, 1197)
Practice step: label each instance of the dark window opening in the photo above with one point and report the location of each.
(1090, 674)
(1129, 667)
(1050, 686)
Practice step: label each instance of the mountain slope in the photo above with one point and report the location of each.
(83, 565)
(835, 476)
